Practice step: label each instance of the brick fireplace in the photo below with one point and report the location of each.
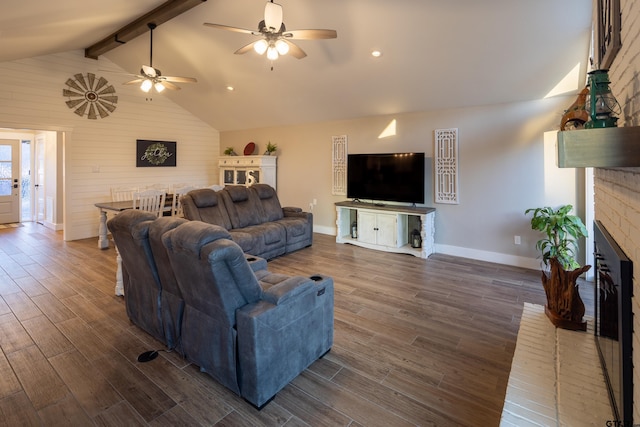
(617, 207)
(613, 321)
(617, 191)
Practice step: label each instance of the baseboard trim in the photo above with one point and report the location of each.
(331, 231)
(499, 258)
(53, 226)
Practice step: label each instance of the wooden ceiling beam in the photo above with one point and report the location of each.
(159, 15)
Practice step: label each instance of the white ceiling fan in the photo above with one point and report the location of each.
(151, 77)
(276, 38)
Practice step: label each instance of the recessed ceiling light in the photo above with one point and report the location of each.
(230, 88)
(376, 53)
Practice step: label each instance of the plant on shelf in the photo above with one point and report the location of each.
(270, 148)
(229, 152)
(562, 231)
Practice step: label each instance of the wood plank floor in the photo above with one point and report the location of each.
(417, 342)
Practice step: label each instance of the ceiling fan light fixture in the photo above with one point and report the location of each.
(282, 47)
(275, 39)
(159, 87)
(272, 53)
(146, 85)
(260, 46)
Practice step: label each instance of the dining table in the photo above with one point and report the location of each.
(105, 207)
(103, 240)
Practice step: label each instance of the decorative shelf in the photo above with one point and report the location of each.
(599, 148)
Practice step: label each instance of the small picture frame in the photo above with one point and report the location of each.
(150, 153)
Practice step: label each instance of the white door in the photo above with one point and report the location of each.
(9, 181)
(38, 176)
(367, 227)
(387, 225)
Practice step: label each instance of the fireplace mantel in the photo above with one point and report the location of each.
(599, 148)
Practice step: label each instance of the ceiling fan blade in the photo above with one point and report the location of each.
(228, 28)
(310, 34)
(170, 85)
(273, 16)
(294, 50)
(245, 48)
(179, 79)
(132, 82)
(149, 71)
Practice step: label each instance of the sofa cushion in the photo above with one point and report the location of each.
(206, 205)
(268, 240)
(247, 241)
(271, 209)
(295, 227)
(237, 193)
(243, 209)
(195, 234)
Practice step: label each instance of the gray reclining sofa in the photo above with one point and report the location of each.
(253, 217)
(198, 292)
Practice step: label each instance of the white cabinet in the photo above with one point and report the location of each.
(386, 228)
(382, 228)
(248, 170)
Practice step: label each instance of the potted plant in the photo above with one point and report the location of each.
(229, 151)
(270, 148)
(562, 230)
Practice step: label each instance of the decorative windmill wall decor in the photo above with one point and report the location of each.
(90, 95)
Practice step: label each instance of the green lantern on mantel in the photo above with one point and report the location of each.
(601, 104)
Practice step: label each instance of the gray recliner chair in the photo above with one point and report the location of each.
(171, 302)
(142, 289)
(251, 331)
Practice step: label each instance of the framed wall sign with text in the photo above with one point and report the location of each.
(155, 153)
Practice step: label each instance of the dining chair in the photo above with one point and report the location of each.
(160, 187)
(120, 194)
(150, 200)
(174, 187)
(176, 204)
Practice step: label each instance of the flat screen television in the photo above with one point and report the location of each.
(391, 177)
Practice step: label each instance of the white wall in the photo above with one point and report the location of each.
(617, 191)
(99, 154)
(53, 180)
(503, 170)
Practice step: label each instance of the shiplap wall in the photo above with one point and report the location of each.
(100, 154)
(617, 191)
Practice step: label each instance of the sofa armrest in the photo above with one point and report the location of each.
(287, 289)
(291, 209)
(298, 214)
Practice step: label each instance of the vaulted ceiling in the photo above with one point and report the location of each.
(435, 54)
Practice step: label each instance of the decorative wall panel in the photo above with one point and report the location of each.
(446, 166)
(339, 164)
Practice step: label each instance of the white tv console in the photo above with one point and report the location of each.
(386, 227)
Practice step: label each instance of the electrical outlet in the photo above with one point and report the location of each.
(516, 240)
(315, 202)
